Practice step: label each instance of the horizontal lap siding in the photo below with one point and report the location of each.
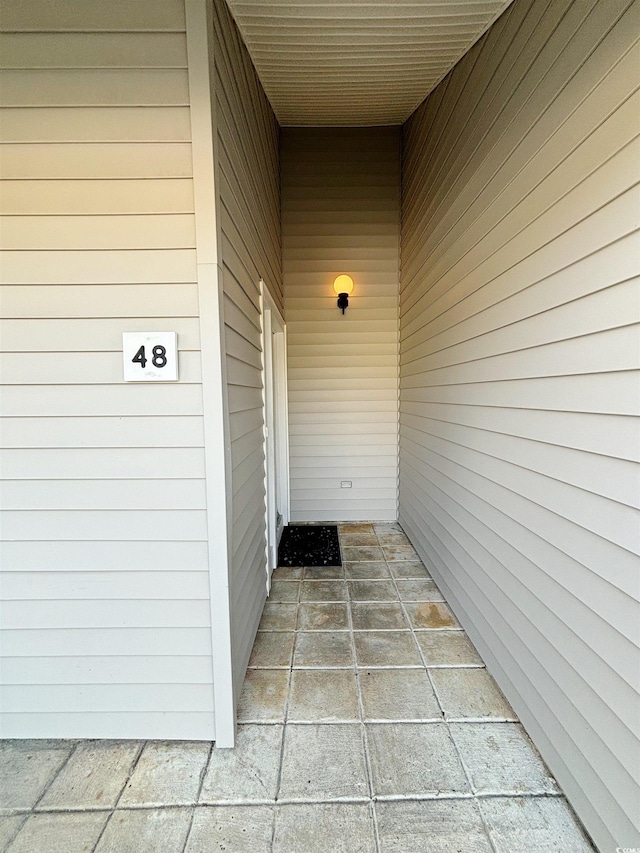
(519, 346)
(105, 613)
(340, 203)
(249, 211)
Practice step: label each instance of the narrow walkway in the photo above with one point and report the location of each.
(368, 725)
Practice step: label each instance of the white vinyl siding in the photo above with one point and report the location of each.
(340, 209)
(249, 220)
(519, 385)
(105, 619)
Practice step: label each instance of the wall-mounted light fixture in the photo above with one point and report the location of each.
(343, 285)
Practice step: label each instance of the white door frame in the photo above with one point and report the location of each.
(276, 425)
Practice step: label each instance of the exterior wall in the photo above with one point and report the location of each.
(340, 214)
(248, 177)
(518, 343)
(105, 621)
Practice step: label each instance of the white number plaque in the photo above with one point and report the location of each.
(150, 356)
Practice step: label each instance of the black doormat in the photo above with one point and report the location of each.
(309, 545)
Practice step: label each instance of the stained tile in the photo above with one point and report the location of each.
(146, 831)
(323, 695)
(501, 759)
(413, 759)
(447, 648)
(543, 824)
(372, 590)
(75, 832)
(323, 591)
(323, 649)
(167, 773)
(387, 527)
(400, 551)
(418, 589)
(94, 775)
(323, 762)
(249, 771)
(393, 537)
(287, 573)
(355, 527)
(278, 617)
(284, 590)
(408, 569)
(323, 617)
(272, 649)
(322, 827)
(470, 693)
(26, 768)
(386, 648)
(430, 614)
(398, 694)
(323, 573)
(264, 695)
(432, 826)
(234, 829)
(358, 539)
(380, 616)
(366, 570)
(355, 553)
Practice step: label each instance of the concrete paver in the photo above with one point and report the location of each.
(26, 768)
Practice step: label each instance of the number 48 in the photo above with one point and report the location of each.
(158, 357)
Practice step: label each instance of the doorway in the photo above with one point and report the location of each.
(276, 434)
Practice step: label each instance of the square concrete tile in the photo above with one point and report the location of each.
(386, 648)
(470, 693)
(94, 775)
(319, 648)
(448, 648)
(432, 826)
(167, 773)
(356, 553)
(323, 695)
(278, 617)
(358, 539)
(430, 614)
(323, 591)
(408, 569)
(399, 551)
(543, 824)
(393, 537)
(264, 696)
(418, 589)
(323, 762)
(60, 833)
(26, 768)
(387, 527)
(323, 617)
(355, 527)
(272, 649)
(322, 827)
(284, 591)
(323, 573)
(287, 573)
(366, 571)
(381, 616)
(413, 759)
(398, 694)
(372, 590)
(249, 771)
(234, 829)
(500, 759)
(146, 831)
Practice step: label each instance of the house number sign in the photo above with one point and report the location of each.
(150, 356)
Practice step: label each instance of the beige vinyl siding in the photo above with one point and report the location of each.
(105, 614)
(340, 210)
(249, 220)
(519, 385)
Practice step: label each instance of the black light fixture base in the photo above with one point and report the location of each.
(343, 301)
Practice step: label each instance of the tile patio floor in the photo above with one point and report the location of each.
(368, 724)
